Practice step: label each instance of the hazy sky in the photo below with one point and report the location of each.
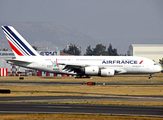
(121, 22)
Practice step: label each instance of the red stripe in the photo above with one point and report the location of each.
(141, 62)
(6, 71)
(15, 49)
(3, 74)
(57, 62)
(0, 71)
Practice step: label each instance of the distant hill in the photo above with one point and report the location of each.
(48, 35)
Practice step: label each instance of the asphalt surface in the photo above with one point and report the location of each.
(81, 98)
(11, 105)
(80, 83)
(88, 109)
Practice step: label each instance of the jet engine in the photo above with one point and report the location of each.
(93, 70)
(107, 72)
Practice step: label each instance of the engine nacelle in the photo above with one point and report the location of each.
(107, 72)
(93, 70)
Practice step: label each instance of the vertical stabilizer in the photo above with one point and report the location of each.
(18, 44)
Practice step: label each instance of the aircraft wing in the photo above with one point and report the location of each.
(80, 67)
(17, 61)
(73, 64)
(120, 71)
(73, 67)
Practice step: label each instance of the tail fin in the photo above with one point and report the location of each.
(18, 44)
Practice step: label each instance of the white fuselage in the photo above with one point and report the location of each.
(120, 64)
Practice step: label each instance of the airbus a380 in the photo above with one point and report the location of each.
(26, 56)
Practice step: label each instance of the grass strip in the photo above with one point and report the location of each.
(133, 103)
(72, 117)
(82, 90)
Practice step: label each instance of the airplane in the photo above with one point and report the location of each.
(104, 66)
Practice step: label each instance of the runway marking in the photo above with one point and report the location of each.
(133, 97)
(55, 106)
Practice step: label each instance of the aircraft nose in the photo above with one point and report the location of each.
(162, 70)
(158, 68)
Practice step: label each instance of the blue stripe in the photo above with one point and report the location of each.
(15, 41)
(19, 41)
(13, 34)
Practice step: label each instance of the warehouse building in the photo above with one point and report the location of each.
(151, 51)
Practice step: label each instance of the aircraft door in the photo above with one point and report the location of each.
(147, 66)
(43, 65)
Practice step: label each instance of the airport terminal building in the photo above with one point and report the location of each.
(151, 51)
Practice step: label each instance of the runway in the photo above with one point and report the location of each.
(81, 98)
(36, 104)
(79, 83)
(11, 105)
(88, 109)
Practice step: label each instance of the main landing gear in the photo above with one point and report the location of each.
(150, 76)
(81, 76)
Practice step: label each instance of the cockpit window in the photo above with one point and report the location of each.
(157, 63)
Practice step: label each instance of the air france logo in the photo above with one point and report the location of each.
(56, 63)
(119, 62)
(141, 62)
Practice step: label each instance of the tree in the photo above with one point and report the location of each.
(89, 50)
(5, 49)
(111, 51)
(161, 61)
(99, 50)
(72, 49)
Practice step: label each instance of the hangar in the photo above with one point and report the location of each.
(151, 51)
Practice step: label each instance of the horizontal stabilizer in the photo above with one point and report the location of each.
(16, 61)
